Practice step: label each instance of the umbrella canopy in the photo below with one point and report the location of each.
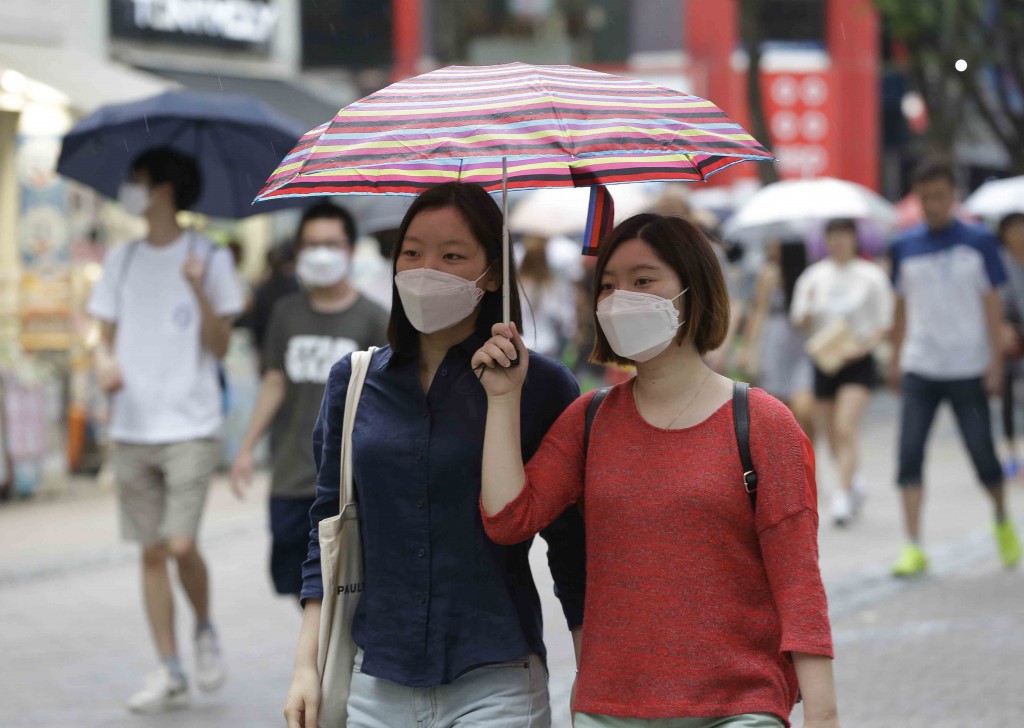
(236, 140)
(513, 126)
(800, 205)
(560, 211)
(557, 126)
(997, 199)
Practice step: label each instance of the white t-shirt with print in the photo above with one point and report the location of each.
(858, 291)
(171, 388)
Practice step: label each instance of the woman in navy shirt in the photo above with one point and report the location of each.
(449, 623)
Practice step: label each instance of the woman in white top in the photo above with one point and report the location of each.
(853, 299)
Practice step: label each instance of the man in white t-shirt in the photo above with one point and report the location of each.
(166, 305)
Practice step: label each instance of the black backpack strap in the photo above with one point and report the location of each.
(592, 406)
(741, 421)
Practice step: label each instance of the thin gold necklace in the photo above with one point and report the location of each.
(682, 412)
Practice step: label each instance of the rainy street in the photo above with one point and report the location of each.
(724, 297)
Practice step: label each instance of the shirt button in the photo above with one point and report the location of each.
(423, 553)
(419, 456)
(426, 414)
(423, 600)
(444, 372)
(420, 504)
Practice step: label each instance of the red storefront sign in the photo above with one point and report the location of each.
(799, 108)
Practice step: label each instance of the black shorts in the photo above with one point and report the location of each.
(859, 371)
(289, 530)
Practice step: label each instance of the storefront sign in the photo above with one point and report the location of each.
(225, 23)
(799, 108)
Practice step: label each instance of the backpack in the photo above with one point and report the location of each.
(741, 422)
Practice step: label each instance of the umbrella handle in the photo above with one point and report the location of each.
(505, 256)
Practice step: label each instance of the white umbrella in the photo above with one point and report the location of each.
(800, 205)
(554, 211)
(998, 198)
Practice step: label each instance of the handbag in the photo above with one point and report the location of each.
(341, 562)
(830, 348)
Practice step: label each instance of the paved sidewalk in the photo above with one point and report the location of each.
(75, 644)
(943, 653)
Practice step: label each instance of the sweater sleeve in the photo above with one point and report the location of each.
(554, 480)
(787, 524)
(790, 553)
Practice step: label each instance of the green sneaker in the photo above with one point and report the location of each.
(1009, 544)
(912, 562)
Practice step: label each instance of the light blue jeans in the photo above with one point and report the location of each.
(507, 695)
(747, 720)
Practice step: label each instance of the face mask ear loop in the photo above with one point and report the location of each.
(680, 324)
(486, 271)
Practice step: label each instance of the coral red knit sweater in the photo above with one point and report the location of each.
(693, 600)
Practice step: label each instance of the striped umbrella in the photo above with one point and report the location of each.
(513, 126)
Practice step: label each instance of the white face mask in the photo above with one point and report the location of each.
(134, 198)
(320, 266)
(434, 300)
(638, 326)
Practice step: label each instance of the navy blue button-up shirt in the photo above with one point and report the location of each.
(440, 597)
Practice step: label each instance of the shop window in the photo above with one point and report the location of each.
(348, 33)
(537, 31)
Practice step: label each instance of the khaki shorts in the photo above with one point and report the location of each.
(162, 488)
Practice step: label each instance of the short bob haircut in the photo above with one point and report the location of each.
(483, 216)
(685, 249)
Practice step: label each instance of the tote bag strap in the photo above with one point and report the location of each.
(360, 366)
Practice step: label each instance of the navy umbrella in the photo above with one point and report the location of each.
(236, 140)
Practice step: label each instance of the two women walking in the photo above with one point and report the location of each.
(699, 602)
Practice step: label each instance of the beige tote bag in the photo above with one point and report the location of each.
(830, 348)
(341, 560)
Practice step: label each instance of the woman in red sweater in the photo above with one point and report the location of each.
(701, 610)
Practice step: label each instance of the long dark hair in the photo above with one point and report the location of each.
(792, 262)
(483, 216)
